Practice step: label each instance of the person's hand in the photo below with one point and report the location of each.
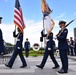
(49, 49)
(55, 37)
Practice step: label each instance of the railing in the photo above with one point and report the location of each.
(5, 56)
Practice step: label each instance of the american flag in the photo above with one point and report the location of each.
(18, 16)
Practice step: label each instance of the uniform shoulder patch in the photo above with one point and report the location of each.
(65, 31)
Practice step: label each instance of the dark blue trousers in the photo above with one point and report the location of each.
(71, 48)
(27, 52)
(16, 52)
(64, 59)
(46, 54)
(68, 51)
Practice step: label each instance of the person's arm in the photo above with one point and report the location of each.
(29, 45)
(14, 34)
(20, 40)
(62, 37)
(54, 44)
(25, 45)
(1, 36)
(72, 45)
(50, 41)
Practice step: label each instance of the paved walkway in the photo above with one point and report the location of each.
(31, 69)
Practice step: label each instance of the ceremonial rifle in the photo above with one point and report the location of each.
(64, 27)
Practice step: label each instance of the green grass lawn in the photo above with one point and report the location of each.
(35, 53)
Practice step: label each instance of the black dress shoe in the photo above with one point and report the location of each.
(23, 66)
(62, 71)
(39, 66)
(8, 66)
(55, 67)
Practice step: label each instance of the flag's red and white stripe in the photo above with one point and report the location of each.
(18, 18)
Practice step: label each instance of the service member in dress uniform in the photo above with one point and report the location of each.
(68, 52)
(75, 46)
(71, 46)
(2, 48)
(27, 47)
(63, 47)
(18, 50)
(49, 50)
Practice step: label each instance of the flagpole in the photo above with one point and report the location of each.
(47, 10)
(15, 37)
(44, 32)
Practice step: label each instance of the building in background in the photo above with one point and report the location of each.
(75, 32)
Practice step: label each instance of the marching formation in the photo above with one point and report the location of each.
(65, 46)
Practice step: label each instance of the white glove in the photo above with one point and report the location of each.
(55, 37)
(49, 49)
(18, 47)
